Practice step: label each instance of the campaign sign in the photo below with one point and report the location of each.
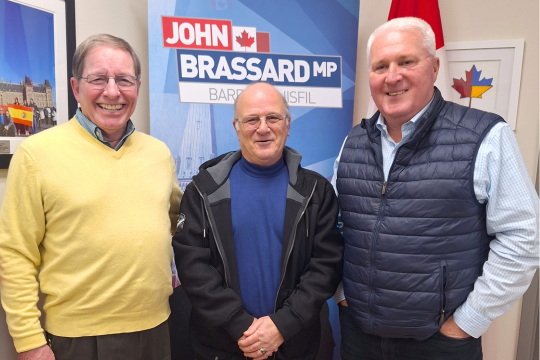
(203, 53)
(218, 77)
(310, 81)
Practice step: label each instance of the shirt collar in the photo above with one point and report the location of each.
(381, 122)
(96, 131)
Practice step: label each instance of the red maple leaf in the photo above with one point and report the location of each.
(245, 40)
(464, 87)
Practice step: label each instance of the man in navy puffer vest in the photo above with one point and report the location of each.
(439, 213)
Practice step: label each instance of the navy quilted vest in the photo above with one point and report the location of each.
(414, 246)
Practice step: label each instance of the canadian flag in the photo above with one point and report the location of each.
(427, 10)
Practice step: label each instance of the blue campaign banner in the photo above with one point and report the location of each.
(279, 69)
(202, 53)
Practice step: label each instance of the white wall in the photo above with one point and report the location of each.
(463, 20)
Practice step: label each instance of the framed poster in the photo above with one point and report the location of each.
(486, 75)
(33, 69)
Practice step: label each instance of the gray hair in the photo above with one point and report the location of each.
(287, 112)
(404, 24)
(98, 40)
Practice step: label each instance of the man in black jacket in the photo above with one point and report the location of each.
(258, 251)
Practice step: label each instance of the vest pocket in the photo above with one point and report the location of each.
(443, 266)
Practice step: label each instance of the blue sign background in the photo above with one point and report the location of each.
(299, 27)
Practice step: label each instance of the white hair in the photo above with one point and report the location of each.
(404, 24)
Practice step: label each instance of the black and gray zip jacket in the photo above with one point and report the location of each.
(311, 261)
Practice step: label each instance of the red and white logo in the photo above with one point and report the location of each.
(244, 38)
(191, 33)
(212, 34)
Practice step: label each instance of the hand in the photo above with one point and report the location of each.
(343, 303)
(262, 334)
(41, 353)
(243, 336)
(451, 329)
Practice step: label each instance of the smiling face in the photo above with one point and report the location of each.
(263, 146)
(401, 75)
(109, 108)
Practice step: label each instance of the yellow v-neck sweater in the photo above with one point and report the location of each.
(97, 223)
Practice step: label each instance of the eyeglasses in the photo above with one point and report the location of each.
(273, 121)
(100, 81)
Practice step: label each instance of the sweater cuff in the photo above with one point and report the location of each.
(29, 343)
(339, 295)
(470, 321)
(239, 322)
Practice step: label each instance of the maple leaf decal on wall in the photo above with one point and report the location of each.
(245, 40)
(472, 87)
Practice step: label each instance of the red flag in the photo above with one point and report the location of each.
(427, 10)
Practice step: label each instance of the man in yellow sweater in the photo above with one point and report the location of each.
(88, 210)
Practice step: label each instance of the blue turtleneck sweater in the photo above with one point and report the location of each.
(258, 197)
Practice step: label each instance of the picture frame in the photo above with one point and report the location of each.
(498, 65)
(63, 12)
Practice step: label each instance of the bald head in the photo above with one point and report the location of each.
(259, 85)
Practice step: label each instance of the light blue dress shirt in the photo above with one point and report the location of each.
(96, 132)
(500, 179)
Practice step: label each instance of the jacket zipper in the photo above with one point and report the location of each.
(376, 234)
(214, 232)
(288, 255)
(444, 281)
(292, 242)
(291, 248)
(373, 242)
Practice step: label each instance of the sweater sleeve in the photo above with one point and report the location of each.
(22, 227)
